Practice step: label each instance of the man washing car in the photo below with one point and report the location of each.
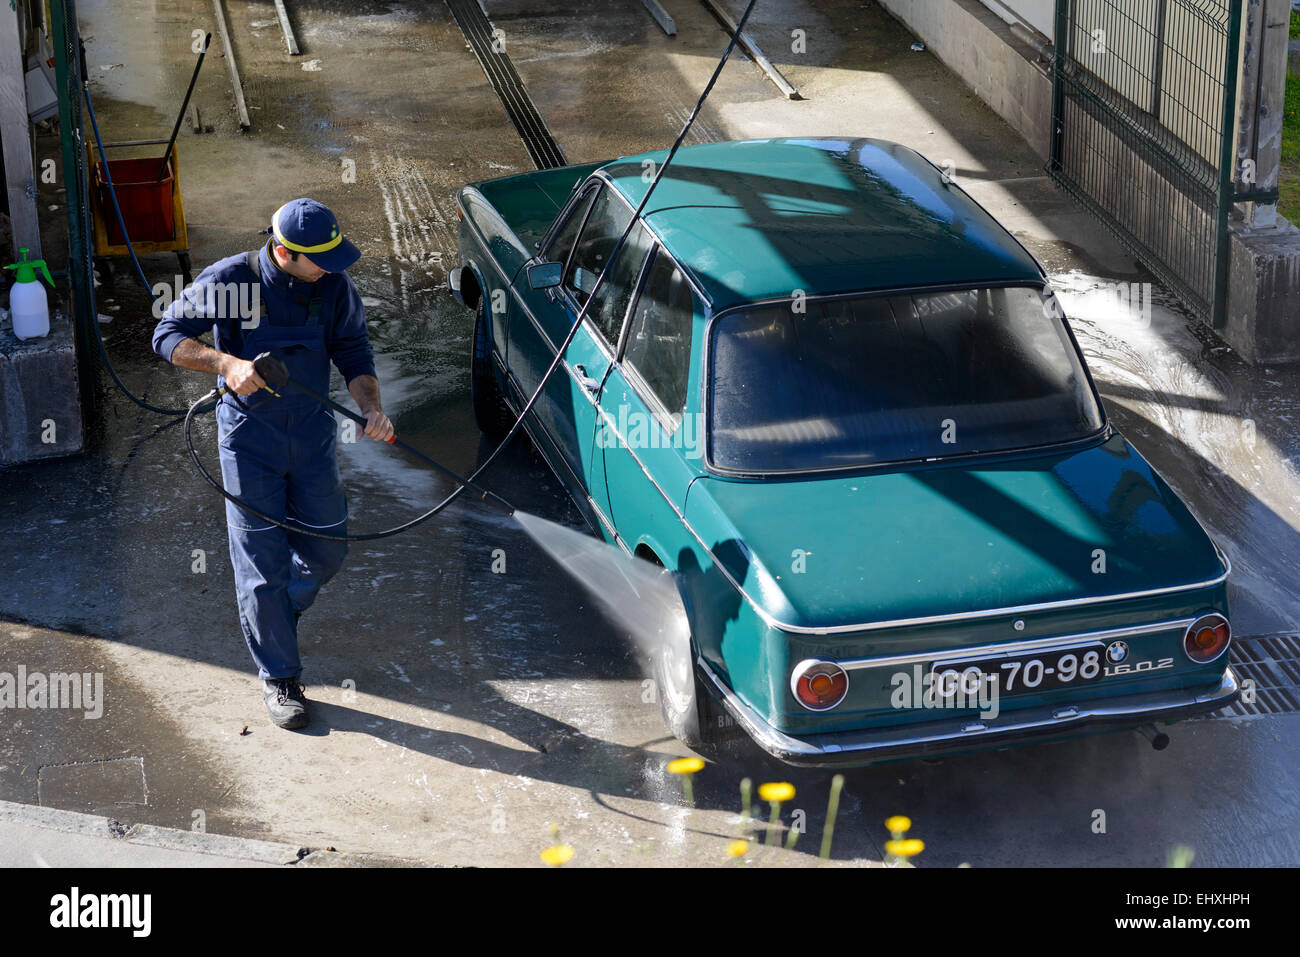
(279, 453)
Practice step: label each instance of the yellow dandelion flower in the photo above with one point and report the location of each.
(908, 848)
(557, 855)
(898, 823)
(738, 848)
(776, 792)
(685, 766)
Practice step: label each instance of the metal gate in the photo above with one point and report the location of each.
(1144, 106)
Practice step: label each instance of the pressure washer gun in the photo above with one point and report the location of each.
(276, 376)
(273, 372)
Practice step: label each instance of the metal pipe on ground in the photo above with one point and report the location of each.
(241, 107)
(750, 47)
(290, 40)
(661, 16)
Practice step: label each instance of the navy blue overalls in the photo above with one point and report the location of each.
(279, 455)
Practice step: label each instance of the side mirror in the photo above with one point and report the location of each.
(545, 275)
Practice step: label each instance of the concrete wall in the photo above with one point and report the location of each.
(1040, 14)
(40, 414)
(1263, 315)
(979, 47)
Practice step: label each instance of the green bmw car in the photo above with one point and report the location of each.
(838, 401)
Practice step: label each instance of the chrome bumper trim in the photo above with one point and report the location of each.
(958, 734)
(454, 283)
(1009, 648)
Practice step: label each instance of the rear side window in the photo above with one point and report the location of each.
(659, 337)
(609, 217)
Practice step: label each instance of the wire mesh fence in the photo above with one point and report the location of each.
(1143, 102)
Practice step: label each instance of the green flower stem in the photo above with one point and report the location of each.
(771, 824)
(832, 810)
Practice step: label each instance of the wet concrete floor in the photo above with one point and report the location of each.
(460, 712)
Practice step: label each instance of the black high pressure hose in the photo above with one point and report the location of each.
(276, 376)
(462, 483)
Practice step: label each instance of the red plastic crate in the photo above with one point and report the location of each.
(146, 201)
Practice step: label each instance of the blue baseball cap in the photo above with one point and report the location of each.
(308, 227)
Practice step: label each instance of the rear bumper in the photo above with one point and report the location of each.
(955, 735)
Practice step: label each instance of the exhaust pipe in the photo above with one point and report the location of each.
(1159, 740)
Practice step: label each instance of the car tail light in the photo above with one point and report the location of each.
(819, 685)
(1207, 638)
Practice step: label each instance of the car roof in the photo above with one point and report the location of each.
(760, 219)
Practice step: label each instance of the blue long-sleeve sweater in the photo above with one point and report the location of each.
(285, 297)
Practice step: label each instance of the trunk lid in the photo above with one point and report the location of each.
(947, 539)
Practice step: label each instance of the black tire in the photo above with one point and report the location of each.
(493, 416)
(688, 709)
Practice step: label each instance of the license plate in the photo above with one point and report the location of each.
(1023, 674)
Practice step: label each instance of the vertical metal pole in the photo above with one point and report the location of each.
(16, 138)
(66, 43)
(1222, 245)
(1060, 44)
(1158, 68)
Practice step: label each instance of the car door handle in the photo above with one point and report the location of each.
(586, 381)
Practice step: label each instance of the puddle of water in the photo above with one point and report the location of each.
(1221, 432)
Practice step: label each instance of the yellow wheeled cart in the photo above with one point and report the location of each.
(151, 204)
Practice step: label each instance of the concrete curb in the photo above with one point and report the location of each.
(194, 842)
(91, 825)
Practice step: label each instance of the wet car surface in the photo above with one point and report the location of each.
(876, 374)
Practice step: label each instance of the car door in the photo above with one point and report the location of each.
(539, 325)
(652, 438)
(567, 408)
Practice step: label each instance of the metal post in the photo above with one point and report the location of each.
(1260, 113)
(1223, 249)
(66, 44)
(17, 139)
(1060, 44)
(1158, 69)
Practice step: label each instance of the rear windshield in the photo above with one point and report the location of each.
(849, 382)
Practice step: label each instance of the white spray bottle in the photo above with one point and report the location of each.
(27, 302)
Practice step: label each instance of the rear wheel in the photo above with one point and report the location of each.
(685, 703)
(490, 410)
